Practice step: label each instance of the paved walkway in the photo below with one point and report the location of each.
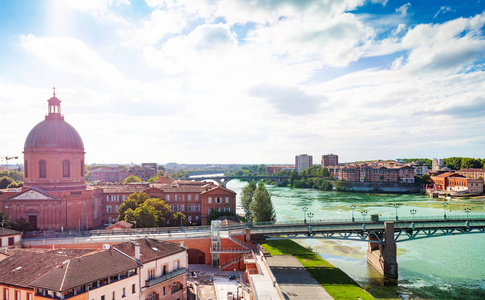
(294, 280)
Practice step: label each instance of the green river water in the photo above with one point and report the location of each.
(451, 267)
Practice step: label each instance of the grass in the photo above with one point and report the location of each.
(338, 284)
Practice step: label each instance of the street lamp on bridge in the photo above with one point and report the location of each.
(310, 216)
(413, 212)
(396, 206)
(248, 218)
(352, 207)
(304, 214)
(445, 204)
(363, 213)
(467, 211)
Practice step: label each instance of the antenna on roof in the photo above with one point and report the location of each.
(54, 88)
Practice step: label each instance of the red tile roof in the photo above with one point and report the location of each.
(150, 249)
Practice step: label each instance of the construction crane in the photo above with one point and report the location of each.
(7, 158)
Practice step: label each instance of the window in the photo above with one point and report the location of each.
(151, 274)
(113, 297)
(124, 197)
(102, 297)
(42, 169)
(227, 199)
(66, 169)
(227, 209)
(168, 197)
(175, 208)
(109, 198)
(181, 207)
(82, 168)
(29, 296)
(164, 270)
(189, 196)
(26, 170)
(5, 293)
(108, 208)
(197, 218)
(10, 241)
(133, 289)
(218, 209)
(218, 199)
(123, 294)
(164, 291)
(210, 200)
(176, 265)
(175, 198)
(189, 207)
(152, 296)
(209, 211)
(117, 208)
(197, 207)
(17, 295)
(196, 197)
(183, 197)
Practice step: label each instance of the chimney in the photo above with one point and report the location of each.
(137, 251)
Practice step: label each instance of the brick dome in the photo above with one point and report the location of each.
(54, 132)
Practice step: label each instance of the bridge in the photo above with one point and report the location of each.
(381, 235)
(223, 180)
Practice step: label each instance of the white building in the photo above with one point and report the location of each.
(302, 162)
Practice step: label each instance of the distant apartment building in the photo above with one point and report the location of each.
(378, 172)
(329, 160)
(276, 169)
(420, 168)
(473, 173)
(118, 174)
(302, 162)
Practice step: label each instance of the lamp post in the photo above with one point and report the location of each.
(396, 206)
(413, 212)
(304, 214)
(445, 204)
(363, 213)
(352, 207)
(310, 216)
(467, 211)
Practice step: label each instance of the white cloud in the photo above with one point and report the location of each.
(443, 10)
(403, 10)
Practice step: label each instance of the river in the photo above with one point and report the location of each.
(451, 267)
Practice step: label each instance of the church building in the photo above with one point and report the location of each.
(55, 195)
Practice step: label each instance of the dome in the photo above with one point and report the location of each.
(54, 133)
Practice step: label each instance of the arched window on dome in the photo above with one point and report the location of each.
(66, 169)
(26, 169)
(42, 169)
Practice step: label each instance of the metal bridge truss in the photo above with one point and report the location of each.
(373, 232)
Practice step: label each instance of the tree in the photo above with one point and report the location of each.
(175, 220)
(247, 195)
(145, 216)
(140, 197)
(129, 204)
(162, 209)
(15, 184)
(261, 206)
(5, 182)
(4, 219)
(132, 178)
(23, 225)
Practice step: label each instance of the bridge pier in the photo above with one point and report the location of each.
(384, 256)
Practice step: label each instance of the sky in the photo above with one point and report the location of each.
(247, 81)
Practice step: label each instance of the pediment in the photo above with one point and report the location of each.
(33, 195)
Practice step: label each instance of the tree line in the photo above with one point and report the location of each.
(11, 179)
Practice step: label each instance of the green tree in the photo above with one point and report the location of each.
(162, 209)
(145, 216)
(5, 182)
(23, 225)
(248, 195)
(140, 197)
(4, 219)
(15, 184)
(261, 206)
(129, 204)
(175, 219)
(132, 178)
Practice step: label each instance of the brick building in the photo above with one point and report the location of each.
(277, 169)
(329, 160)
(377, 172)
(119, 174)
(54, 195)
(458, 183)
(194, 199)
(473, 173)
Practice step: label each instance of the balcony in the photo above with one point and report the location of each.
(165, 277)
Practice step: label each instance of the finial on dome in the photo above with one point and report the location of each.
(54, 88)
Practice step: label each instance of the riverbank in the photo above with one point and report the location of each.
(338, 284)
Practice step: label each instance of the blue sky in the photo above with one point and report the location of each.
(236, 81)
